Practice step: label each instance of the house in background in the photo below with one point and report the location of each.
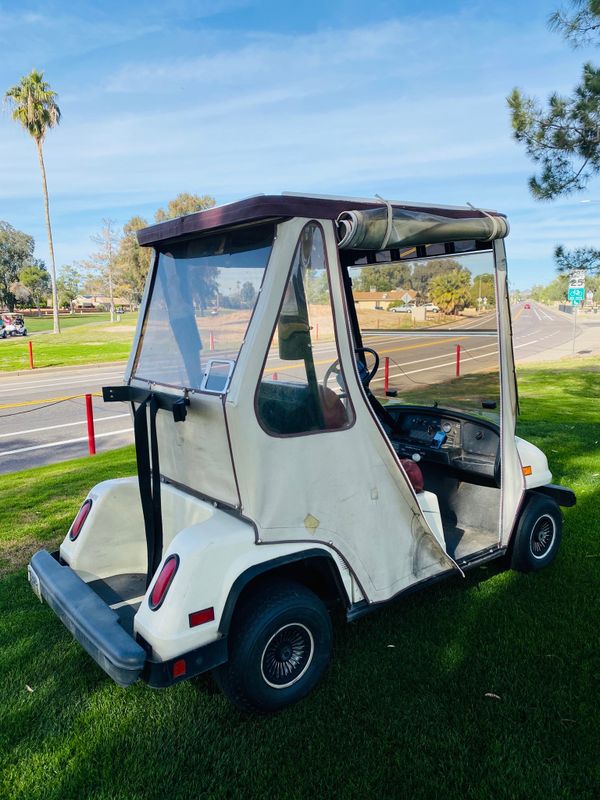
(99, 302)
(382, 300)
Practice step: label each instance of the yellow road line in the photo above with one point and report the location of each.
(518, 314)
(48, 400)
(424, 344)
(277, 368)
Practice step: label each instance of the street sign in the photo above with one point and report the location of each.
(577, 279)
(576, 295)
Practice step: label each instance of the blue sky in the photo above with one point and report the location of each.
(232, 98)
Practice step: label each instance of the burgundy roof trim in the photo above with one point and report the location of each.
(265, 207)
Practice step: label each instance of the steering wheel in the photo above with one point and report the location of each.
(366, 379)
(334, 369)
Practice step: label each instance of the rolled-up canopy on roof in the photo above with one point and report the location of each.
(378, 229)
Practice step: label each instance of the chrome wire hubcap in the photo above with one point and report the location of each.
(542, 536)
(287, 656)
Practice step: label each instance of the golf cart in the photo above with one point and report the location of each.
(14, 325)
(298, 451)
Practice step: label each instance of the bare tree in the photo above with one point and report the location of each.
(100, 266)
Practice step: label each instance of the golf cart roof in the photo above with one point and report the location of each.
(281, 206)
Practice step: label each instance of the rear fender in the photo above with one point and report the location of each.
(113, 540)
(216, 561)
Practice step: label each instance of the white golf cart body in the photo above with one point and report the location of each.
(252, 467)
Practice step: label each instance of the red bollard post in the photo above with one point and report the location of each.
(31, 355)
(458, 361)
(90, 424)
(275, 376)
(317, 331)
(212, 341)
(386, 374)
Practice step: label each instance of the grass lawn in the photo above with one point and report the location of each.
(411, 720)
(46, 323)
(86, 340)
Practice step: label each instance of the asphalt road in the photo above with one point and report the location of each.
(42, 414)
(43, 419)
(421, 358)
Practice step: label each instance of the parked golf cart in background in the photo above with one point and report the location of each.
(277, 478)
(14, 325)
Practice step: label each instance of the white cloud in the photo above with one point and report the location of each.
(413, 108)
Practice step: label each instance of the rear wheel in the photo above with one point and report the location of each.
(279, 648)
(538, 534)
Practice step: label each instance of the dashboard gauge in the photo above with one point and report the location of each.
(446, 427)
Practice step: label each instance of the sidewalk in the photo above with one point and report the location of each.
(585, 345)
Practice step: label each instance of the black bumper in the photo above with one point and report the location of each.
(563, 496)
(94, 624)
(96, 627)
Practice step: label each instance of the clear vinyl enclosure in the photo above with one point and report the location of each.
(201, 300)
(433, 322)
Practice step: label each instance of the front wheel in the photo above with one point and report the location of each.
(538, 534)
(279, 648)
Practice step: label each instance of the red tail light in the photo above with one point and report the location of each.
(164, 580)
(79, 520)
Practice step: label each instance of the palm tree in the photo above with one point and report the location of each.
(451, 290)
(34, 107)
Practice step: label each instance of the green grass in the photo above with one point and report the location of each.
(408, 721)
(37, 505)
(86, 341)
(46, 323)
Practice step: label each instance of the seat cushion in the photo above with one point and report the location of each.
(415, 476)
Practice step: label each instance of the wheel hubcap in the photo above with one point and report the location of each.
(542, 536)
(287, 656)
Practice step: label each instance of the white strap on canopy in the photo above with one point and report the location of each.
(371, 230)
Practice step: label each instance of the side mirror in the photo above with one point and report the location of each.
(293, 333)
(488, 404)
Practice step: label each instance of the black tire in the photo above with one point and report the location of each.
(279, 648)
(538, 534)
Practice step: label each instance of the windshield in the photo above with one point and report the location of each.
(433, 323)
(201, 299)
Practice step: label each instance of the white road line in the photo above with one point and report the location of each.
(463, 355)
(35, 379)
(92, 380)
(62, 425)
(428, 369)
(59, 444)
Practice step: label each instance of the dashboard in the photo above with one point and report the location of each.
(465, 443)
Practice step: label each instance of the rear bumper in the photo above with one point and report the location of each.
(97, 629)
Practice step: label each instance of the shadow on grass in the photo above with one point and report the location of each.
(404, 703)
(477, 688)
